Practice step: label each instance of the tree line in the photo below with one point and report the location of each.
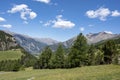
(80, 54)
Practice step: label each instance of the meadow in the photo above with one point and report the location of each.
(101, 72)
(10, 55)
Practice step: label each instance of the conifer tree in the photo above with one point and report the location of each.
(78, 53)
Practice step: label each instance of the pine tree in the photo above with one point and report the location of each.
(58, 59)
(78, 53)
(110, 50)
(91, 55)
(45, 58)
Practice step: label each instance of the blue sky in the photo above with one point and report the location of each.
(59, 19)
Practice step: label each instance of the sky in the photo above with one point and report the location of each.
(59, 19)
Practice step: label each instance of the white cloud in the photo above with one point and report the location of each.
(60, 23)
(43, 1)
(33, 15)
(2, 19)
(18, 8)
(109, 32)
(82, 28)
(6, 26)
(115, 13)
(24, 11)
(100, 13)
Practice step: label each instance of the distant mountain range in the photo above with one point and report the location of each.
(36, 45)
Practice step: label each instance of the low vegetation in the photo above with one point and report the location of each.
(10, 55)
(101, 72)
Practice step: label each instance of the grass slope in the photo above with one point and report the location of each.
(102, 72)
(10, 55)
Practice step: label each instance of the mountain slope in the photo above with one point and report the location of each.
(97, 37)
(92, 38)
(29, 44)
(36, 45)
(9, 48)
(7, 41)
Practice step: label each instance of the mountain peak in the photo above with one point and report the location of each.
(108, 32)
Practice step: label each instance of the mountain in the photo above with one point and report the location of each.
(32, 45)
(97, 37)
(36, 45)
(47, 41)
(93, 38)
(7, 41)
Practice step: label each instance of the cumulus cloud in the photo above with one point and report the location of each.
(59, 22)
(43, 1)
(115, 13)
(82, 28)
(33, 15)
(100, 13)
(6, 26)
(24, 11)
(2, 19)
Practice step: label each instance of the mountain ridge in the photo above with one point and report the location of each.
(36, 45)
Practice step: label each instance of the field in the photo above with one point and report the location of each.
(10, 55)
(102, 72)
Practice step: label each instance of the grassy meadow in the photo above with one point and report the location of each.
(101, 72)
(10, 55)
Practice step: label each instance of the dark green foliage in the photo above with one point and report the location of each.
(91, 55)
(27, 59)
(44, 59)
(95, 56)
(110, 50)
(10, 65)
(58, 59)
(78, 52)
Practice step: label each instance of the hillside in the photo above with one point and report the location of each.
(9, 49)
(7, 42)
(10, 55)
(102, 72)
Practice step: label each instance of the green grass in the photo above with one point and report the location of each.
(102, 72)
(10, 55)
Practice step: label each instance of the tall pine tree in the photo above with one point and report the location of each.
(78, 53)
(58, 59)
(45, 58)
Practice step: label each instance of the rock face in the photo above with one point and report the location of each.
(29, 44)
(7, 41)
